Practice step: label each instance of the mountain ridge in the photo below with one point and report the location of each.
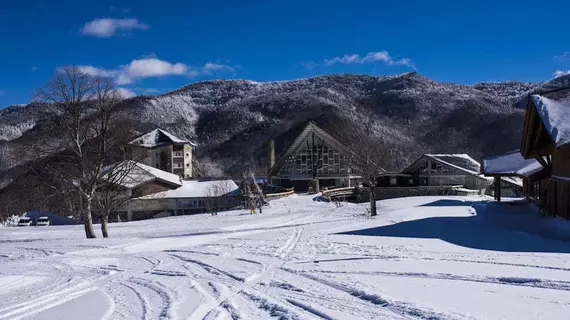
(232, 120)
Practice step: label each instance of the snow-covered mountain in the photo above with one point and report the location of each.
(232, 120)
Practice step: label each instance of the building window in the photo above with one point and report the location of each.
(477, 181)
(187, 165)
(187, 154)
(178, 153)
(411, 181)
(393, 181)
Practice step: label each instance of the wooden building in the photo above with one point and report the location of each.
(166, 152)
(513, 170)
(192, 197)
(313, 154)
(438, 170)
(546, 138)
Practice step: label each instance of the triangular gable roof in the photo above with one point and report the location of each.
(296, 144)
(139, 173)
(462, 162)
(156, 138)
(555, 115)
(511, 164)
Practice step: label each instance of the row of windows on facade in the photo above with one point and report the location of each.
(202, 203)
(177, 165)
(174, 154)
(438, 167)
(327, 159)
(441, 181)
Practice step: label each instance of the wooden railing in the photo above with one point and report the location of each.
(289, 192)
(335, 190)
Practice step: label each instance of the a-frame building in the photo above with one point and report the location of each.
(313, 150)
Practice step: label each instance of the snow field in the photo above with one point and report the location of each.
(420, 258)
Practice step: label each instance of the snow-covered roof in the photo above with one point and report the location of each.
(137, 173)
(555, 115)
(157, 138)
(197, 189)
(513, 180)
(460, 161)
(512, 163)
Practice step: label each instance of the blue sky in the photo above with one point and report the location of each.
(151, 47)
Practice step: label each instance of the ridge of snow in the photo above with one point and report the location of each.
(555, 115)
(140, 174)
(194, 189)
(512, 163)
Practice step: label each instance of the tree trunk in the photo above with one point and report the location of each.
(104, 222)
(88, 220)
(372, 201)
(315, 186)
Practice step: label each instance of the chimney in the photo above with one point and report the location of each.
(271, 155)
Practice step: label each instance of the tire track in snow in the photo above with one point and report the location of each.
(45, 302)
(279, 260)
(165, 310)
(401, 308)
(142, 300)
(514, 281)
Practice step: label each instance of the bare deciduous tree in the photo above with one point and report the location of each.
(114, 192)
(251, 192)
(81, 110)
(360, 133)
(216, 194)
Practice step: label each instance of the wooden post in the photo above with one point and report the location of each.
(498, 188)
(429, 174)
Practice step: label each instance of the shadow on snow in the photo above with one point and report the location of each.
(512, 227)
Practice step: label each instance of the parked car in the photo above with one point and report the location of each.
(43, 222)
(25, 222)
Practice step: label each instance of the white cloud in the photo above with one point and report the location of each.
(153, 67)
(210, 67)
(126, 92)
(383, 56)
(107, 27)
(562, 57)
(97, 71)
(559, 73)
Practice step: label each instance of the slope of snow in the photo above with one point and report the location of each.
(196, 189)
(420, 258)
(462, 162)
(555, 115)
(511, 163)
(138, 173)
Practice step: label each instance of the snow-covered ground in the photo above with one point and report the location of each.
(421, 258)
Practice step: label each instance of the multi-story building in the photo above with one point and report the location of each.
(313, 155)
(166, 152)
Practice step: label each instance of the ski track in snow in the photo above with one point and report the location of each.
(287, 263)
